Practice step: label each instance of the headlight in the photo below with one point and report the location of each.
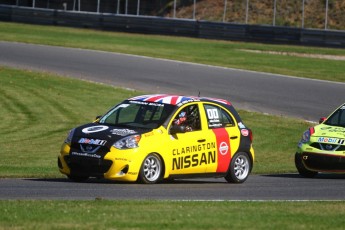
(70, 136)
(306, 135)
(129, 142)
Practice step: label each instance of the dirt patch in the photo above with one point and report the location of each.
(319, 56)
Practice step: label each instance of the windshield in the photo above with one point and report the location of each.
(337, 118)
(138, 114)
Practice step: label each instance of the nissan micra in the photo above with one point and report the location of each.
(322, 147)
(150, 138)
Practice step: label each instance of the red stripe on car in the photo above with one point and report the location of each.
(223, 149)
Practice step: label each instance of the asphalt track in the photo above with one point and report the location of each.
(254, 91)
(257, 187)
(262, 92)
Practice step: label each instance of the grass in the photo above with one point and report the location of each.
(38, 109)
(103, 214)
(221, 53)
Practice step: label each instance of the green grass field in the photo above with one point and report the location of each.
(103, 214)
(38, 109)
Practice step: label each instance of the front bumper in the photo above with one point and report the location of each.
(121, 165)
(323, 162)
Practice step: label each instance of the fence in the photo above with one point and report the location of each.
(317, 14)
(177, 27)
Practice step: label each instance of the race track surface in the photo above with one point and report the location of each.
(257, 187)
(254, 91)
(262, 92)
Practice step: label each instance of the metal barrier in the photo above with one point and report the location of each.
(176, 27)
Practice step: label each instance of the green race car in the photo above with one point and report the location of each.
(322, 147)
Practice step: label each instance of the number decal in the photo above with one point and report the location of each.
(212, 114)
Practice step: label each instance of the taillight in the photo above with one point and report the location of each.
(251, 135)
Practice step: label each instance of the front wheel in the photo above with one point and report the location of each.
(302, 170)
(151, 169)
(239, 168)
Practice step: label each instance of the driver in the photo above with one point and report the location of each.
(181, 120)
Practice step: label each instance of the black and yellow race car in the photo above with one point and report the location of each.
(154, 137)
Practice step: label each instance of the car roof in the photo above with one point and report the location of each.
(176, 99)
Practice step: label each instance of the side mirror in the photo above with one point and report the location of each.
(177, 129)
(322, 119)
(97, 118)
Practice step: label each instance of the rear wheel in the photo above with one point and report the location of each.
(239, 168)
(302, 170)
(151, 169)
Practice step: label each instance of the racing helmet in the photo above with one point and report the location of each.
(182, 117)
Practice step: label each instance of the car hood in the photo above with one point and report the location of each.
(104, 135)
(323, 130)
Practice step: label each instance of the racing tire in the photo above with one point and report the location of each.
(151, 169)
(77, 178)
(239, 169)
(302, 170)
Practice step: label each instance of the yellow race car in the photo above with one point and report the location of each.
(322, 147)
(154, 137)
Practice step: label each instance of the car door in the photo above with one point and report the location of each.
(188, 148)
(221, 126)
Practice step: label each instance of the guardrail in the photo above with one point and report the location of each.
(176, 27)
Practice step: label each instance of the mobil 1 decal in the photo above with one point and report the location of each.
(223, 147)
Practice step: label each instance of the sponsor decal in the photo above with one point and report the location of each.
(92, 141)
(122, 132)
(223, 148)
(185, 102)
(241, 125)
(194, 148)
(333, 129)
(245, 132)
(193, 156)
(188, 161)
(149, 134)
(327, 140)
(95, 129)
(330, 140)
(120, 159)
(86, 155)
(215, 125)
(146, 103)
